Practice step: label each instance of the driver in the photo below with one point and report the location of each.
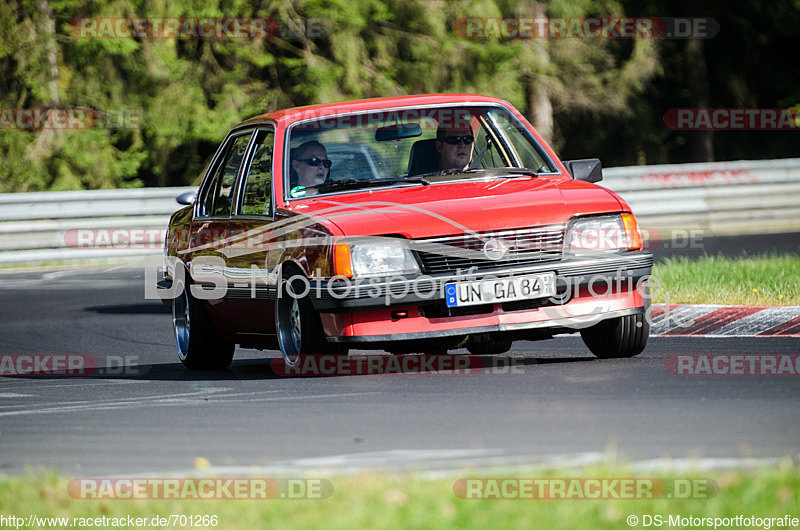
(310, 166)
(455, 145)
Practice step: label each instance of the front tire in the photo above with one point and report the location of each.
(298, 324)
(199, 345)
(618, 337)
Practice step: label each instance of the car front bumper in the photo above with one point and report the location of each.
(598, 290)
(379, 326)
(619, 269)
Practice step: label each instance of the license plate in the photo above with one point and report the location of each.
(460, 294)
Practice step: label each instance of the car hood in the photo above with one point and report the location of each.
(456, 207)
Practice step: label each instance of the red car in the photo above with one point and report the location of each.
(410, 224)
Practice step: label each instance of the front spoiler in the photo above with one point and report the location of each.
(566, 323)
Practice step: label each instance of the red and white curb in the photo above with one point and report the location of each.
(690, 320)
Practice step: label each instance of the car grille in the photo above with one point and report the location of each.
(507, 248)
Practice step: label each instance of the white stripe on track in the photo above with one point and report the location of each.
(682, 316)
(191, 398)
(757, 322)
(431, 464)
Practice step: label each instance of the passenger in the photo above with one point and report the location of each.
(309, 166)
(455, 146)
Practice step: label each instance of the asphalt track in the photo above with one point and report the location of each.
(560, 403)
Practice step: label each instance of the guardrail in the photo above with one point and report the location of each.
(720, 197)
(49, 226)
(724, 197)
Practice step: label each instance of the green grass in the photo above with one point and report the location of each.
(74, 263)
(401, 501)
(770, 280)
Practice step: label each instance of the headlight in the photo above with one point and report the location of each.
(374, 258)
(613, 232)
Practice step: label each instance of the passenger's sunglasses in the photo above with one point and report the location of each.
(458, 140)
(314, 161)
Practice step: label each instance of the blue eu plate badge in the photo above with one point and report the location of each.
(450, 293)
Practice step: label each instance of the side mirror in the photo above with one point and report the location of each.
(588, 169)
(187, 198)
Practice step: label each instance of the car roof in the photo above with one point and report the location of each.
(328, 109)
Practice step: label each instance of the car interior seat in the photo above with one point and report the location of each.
(424, 157)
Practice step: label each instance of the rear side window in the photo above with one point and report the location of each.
(219, 194)
(356, 162)
(257, 197)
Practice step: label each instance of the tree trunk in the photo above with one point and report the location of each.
(701, 145)
(47, 27)
(537, 93)
(541, 109)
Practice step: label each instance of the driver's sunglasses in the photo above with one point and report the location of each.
(457, 140)
(314, 161)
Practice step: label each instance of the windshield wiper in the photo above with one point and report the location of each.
(417, 179)
(502, 172)
(397, 180)
(352, 184)
(443, 172)
(513, 172)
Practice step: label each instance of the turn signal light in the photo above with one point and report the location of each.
(342, 264)
(632, 232)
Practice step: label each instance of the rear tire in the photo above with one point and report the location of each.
(200, 347)
(618, 337)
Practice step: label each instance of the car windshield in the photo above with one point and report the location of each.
(408, 147)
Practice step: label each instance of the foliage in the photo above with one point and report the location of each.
(164, 104)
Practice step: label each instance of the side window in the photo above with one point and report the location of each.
(486, 154)
(257, 196)
(530, 157)
(217, 201)
(355, 162)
